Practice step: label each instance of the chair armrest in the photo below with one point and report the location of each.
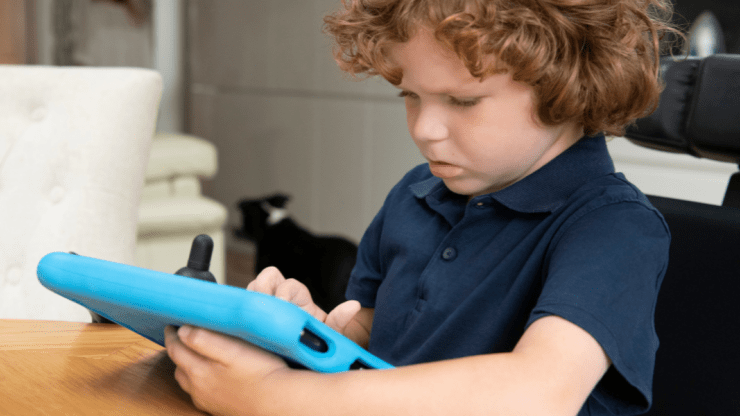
(174, 154)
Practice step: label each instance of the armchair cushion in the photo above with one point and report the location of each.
(176, 154)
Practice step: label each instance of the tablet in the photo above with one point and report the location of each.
(146, 301)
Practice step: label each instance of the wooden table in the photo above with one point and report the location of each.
(69, 368)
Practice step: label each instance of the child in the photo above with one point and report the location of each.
(515, 273)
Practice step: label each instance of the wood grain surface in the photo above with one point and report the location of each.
(70, 368)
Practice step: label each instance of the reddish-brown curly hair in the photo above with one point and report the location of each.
(593, 62)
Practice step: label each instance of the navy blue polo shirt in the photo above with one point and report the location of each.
(450, 278)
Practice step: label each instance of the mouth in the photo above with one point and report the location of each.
(444, 170)
(437, 162)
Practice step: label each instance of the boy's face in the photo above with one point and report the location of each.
(479, 137)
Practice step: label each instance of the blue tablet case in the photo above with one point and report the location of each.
(145, 301)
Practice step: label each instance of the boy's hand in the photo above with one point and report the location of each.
(272, 282)
(222, 374)
(225, 375)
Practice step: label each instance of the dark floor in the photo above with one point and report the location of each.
(239, 266)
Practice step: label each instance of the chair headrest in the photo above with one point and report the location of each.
(699, 111)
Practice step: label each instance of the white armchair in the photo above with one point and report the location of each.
(74, 145)
(173, 211)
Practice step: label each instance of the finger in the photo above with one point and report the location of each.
(214, 346)
(183, 380)
(267, 281)
(209, 344)
(173, 345)
(298, 294)
(294, 292)
(342, 315)
(186, 360)
(180, 353)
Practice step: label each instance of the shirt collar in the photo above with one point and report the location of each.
(546, 189)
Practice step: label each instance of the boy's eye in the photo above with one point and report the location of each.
(404, 94)
(464, 102)
(457, 102)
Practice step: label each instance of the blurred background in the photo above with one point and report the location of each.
(257, 79)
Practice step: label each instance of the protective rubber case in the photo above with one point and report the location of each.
(145, 301)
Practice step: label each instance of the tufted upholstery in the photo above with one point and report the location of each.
(74, 144)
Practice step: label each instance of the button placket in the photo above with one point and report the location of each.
(443, 261)
(445, 253)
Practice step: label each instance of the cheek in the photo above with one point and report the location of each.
(477, 136)
(497, 126)
(489, 145)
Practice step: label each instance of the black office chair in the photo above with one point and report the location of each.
(697, 318)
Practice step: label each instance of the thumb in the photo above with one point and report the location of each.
(342, 315)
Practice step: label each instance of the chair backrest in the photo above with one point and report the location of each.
(697, 369)
(74, 143)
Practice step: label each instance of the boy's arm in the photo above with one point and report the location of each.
(551, 371)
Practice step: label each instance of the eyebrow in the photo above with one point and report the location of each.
(446, 92)
(455, 92)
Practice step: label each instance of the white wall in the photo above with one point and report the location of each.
(101, 34)
(167, 51)
(267, 92)
(672, 175)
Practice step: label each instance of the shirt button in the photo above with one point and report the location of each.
(449, 253)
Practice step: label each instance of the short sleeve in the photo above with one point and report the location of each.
(366, 276)
(603, 273)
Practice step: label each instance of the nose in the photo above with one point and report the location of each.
(428, 123)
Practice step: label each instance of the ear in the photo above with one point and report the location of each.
(278, 200)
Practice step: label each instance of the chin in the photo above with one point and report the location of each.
(465, 189)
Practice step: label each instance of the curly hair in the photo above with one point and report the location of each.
(592, 62)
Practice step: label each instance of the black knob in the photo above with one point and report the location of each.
(200, 259)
